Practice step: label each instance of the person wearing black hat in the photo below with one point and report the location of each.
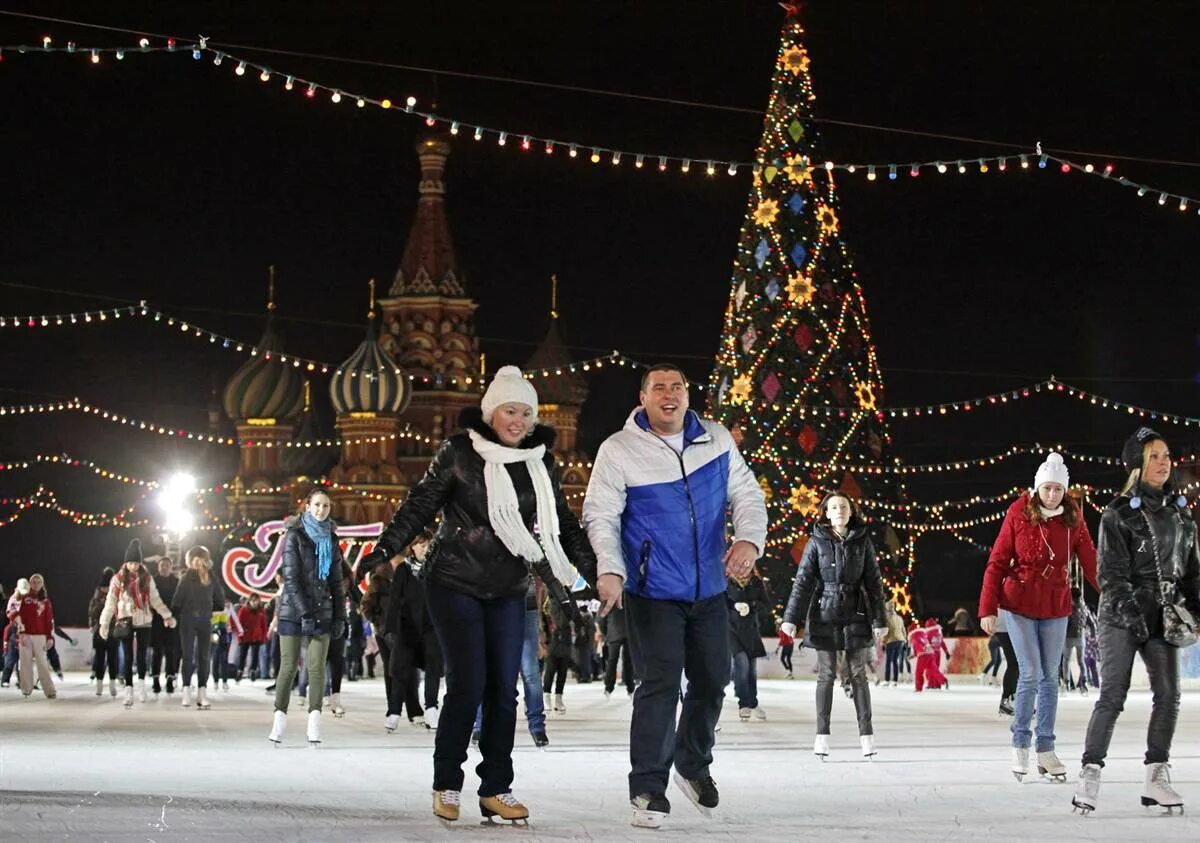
(1149, 569)
(105, 649)
(132, 595)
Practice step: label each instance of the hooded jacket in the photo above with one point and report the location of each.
(656, 517)
(305, 593)
(1028, 569)
(1129, 590)
(470, 557)
(744, 634)
(838, 591)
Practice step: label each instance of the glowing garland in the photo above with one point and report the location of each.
(71, 462)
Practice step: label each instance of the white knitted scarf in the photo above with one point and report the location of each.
(504, 512)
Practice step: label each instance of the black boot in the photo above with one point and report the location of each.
(171, 684)
(540, 739)
(157, 686)
(1006, 706)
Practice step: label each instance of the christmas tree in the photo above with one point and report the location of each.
(796, 376)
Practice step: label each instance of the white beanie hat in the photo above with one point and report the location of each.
(22, 586)
(508, 385)
(1053, 470)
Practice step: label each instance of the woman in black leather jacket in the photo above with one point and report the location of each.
(490, 484)
(1148, 559)
(838, 593)
(311, 608)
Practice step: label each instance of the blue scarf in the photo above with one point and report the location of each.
(321, 533)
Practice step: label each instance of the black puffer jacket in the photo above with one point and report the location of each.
(744, 634)
(1127, 569)
(470, 557)
(838, 593)
(304, 593)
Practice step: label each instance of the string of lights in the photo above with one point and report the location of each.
(72, 462)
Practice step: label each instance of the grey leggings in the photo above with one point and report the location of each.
(316, 649)
(195, 640)
(856, 662)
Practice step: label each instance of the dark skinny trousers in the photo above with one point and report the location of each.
(253, 650)
(555, 674)
(893, 661)
(106, 652)
(993, 658)
(481, 642)
(856, 666)
(140, 635)
(1012, 671)
(785, 656)
(670, 638)
(165, 656)
(618, 656)
(195, 639)
(1162, 666)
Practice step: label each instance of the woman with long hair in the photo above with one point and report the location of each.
(312, 609)
(838, 594)
(746, 597)
(197, 596)
(104, 648)
(35, 621)
(1028, 580)
(1149, 603)
(492, 484)
(132, 594)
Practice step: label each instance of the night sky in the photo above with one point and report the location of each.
(170, 180)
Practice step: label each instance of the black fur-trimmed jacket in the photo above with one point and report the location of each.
(305, 593)
(470, 556)
(1127, 570)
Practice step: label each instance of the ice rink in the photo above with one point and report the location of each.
(84, 768)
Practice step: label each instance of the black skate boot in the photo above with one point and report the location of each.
(649, 810)
(540, 740)
(702, 792)
(157, 686)
(1006, 707)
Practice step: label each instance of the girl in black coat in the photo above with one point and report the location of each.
(312, 608)
(745, 598)
(491, 485)
(838, 593)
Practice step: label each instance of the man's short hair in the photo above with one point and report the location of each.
(662, 367)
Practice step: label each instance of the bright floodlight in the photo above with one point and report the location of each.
(173, 500)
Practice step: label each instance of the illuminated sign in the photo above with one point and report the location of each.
(242, 567)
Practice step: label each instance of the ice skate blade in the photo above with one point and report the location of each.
(1147, 802)
(497, 821)
(1019, 776)
(647, 819)
(1054, 777)
(314, 744)
(1082, 807)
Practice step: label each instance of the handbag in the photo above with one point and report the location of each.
(1179, 627)
(123, 629)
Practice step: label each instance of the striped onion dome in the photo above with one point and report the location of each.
(370, 381)
(265, 388)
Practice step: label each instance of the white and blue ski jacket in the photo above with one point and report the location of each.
(656, 517)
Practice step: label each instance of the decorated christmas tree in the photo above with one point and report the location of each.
(796, 375)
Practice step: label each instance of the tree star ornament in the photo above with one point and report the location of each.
(800, 289)
(739, 393)
(798, 170)
(766, 212)
(865, 393)
(827, 219)
(795, 59)
(805, 500)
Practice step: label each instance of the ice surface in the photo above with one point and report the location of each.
(86, 769)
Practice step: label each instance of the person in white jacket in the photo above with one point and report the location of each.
(655, 514)
(132, 595)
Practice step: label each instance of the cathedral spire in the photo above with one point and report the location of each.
(429, 266)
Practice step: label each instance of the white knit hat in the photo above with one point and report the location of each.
(22, 586)
(1053, 470)
(508, 385)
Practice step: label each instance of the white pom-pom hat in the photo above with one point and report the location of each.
(508, 385)
(1053, 470)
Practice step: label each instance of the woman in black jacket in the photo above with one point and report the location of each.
(838, 592)
(196, 597)
(312, 608)
(491, 484)
(745, 598)
(1148, 561)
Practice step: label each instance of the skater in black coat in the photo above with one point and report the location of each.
(838, 594)
(615, 631)
(746, 597)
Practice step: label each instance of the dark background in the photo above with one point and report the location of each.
(174, 181)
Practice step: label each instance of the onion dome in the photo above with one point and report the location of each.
(552, 356)
(264, 388)
(370, 381)
(308, 460)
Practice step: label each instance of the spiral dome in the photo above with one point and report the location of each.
(265, 388)
(370, 381)
(313, 460)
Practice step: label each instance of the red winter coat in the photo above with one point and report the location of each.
(1027, 570)
(37, 615)
(918, 642)
(254, 625)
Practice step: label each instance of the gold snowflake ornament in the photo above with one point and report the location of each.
(798, 169)
(795, 59)
(739, 393)
(827, 219)
(766, 212)
(865, 393)
(805, 500)
(800, 289)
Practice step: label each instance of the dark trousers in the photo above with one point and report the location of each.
(393, 687)
(993, 657)
(1162, 666)
(141, 636)
(669, 638)
(856, 666)
(165, 657)
(1012, 671)
(585, 657)
(106, 652)
(195, 639)
(481, 643)
(618, 655)
(52, 657)
(12, 656)
(337, 664)
(253, 650)
(220, 659)
(554, 676)
(745, 680)
(893, 661)
(785, 656)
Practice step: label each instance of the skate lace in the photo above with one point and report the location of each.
(1161, 775)
(451, 797)
(508, 799)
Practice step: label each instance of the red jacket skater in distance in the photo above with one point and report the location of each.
(1027, 572)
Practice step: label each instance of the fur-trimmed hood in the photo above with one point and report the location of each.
(471, 418)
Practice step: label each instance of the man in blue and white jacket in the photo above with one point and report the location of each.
(655, 514)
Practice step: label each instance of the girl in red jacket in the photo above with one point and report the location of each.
(1027, 579)
(35, 620)
(253, 618)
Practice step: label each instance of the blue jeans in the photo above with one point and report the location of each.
(1038, 644)
(670, 639)
(745, 680)
(531, 678)
(481, 645)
